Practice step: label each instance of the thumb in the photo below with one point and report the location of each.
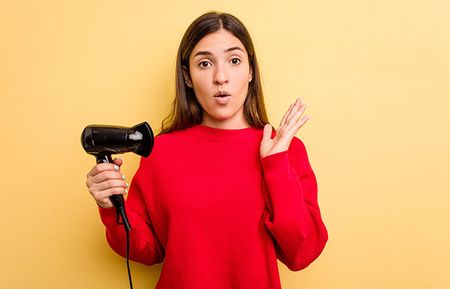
(267, 132)
(117, 161)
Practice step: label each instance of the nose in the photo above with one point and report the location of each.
(220, 75)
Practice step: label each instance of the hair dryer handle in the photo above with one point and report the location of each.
(116, 200)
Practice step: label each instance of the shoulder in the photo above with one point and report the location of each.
(169, 138)
(164, 145)
(174, 140)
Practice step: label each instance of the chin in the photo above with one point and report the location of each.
(221, 117)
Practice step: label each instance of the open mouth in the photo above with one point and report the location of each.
(222, 97)
(222, 94)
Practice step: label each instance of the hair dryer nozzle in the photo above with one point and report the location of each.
(144, 146)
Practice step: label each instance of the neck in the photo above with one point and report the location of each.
(225, 124)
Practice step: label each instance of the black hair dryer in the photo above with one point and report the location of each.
(104, 140)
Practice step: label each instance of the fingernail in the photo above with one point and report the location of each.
(123, 177)
(126, 191)
(116, 168)
(126, 184)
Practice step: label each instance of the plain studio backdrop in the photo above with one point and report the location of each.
(375, 76)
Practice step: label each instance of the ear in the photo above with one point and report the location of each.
(250, 75)
(186, 77)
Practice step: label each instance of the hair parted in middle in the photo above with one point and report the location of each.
(186, 110)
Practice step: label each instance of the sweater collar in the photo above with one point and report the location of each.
(219, 134)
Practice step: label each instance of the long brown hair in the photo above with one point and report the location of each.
(186, 110)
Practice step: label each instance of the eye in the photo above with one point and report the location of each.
(235, 61)
(204, 64)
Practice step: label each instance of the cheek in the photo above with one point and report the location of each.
(243, 76)
(200, 82)
(201, 91)
(243, 82)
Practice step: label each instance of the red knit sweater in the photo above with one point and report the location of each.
(217, 215)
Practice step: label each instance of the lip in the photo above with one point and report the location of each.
(222, 94)
(222, 97)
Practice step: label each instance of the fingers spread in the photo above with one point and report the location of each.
(300, 123)
(283, 120)
(296, 105)
(296, 116)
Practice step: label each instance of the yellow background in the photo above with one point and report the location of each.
(374, 74)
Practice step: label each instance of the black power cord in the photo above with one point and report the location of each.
(128, 260)
(122, 215)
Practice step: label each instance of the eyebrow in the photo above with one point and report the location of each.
(209, 53)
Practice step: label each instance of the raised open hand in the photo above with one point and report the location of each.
(289, 126)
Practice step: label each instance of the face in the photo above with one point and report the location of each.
(219, 75)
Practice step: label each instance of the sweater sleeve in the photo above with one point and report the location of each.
(293, 217)
(145, 248)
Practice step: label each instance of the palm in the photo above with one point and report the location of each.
(289, 126)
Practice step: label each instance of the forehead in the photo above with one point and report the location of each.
(218, 41)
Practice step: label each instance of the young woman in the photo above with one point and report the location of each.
(223, 195)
